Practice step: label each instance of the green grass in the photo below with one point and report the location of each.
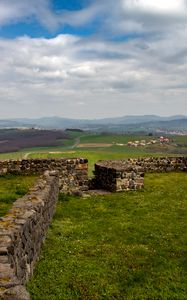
(121, 246)
(12, 155)
(13, 187)
(181, 139)
(110, 138)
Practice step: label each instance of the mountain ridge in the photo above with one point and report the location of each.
(147, 122)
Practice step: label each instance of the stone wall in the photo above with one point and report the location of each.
(120, 175)
(22, 232)
(73, 173)
(160, 164)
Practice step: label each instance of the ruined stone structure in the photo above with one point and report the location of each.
(23, 228)
(120, 175)
(22, 232)
(73, 173)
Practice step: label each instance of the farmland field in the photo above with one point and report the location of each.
(111, 138)
(114, 143)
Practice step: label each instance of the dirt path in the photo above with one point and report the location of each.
(77, 142)
(25, 156)
(94, 145)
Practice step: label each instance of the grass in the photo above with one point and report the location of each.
(12, 155)
(111, 138)
(181, 139)
(13, 187)
(121, 246)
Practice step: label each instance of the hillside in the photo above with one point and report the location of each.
(12, 140)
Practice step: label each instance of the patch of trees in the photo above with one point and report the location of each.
(74, 130)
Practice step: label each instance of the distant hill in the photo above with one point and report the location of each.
(121, 124)
(176, 124)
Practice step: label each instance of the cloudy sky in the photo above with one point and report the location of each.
(93, 58)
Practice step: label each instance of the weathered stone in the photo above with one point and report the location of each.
(71, 171)
(22, 233)
(18, 292)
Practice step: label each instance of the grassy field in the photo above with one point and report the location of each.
(111, 138)
(13, 187)
(181, 139)
(121, 246)
(125, 138)
(12, 155)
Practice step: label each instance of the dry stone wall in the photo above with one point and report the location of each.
(128, 174)
(22, 232)
(73, 173)
(160, 164)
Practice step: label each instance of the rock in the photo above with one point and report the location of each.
(18, 292)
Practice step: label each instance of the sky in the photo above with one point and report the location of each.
(92, 58)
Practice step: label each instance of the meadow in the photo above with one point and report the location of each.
(120, 246)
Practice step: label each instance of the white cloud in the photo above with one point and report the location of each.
(147, 16)
(41, 10)
(109, 78)
(158, 6)
(14, 11)
(98, 76)
(114, 18)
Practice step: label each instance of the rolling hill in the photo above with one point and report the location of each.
(120, 124)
